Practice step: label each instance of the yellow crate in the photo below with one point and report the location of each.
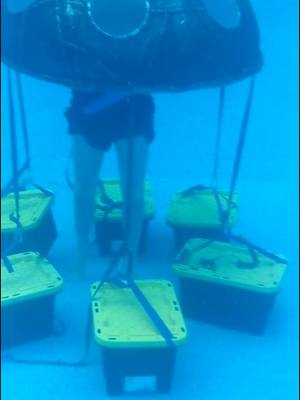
(34, 205)
(121, 322)
(36, 218)
(200, 210)
(224, 264)
(113, 190)
(33, 277)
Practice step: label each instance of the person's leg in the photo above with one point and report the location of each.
(87, 162)
(132, 157)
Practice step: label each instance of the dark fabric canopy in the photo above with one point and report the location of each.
(148, 46)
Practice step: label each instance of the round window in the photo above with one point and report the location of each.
(224, 12)
(119, 19)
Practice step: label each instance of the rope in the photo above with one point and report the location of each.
(125, 281)
(129, 187)
(239, 154)
(224, 214)
(27, 164)
(14, 217)
(14, 151)
(60, 363)
(218, 138)
(23, 122)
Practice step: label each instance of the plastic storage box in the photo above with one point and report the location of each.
(109, 220)
(27, 298)
(131, 345)
(36, 218)
(220, 284)
(196, 213)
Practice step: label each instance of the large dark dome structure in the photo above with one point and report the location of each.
(133, 45)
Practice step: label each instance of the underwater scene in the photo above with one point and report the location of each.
(149, 199)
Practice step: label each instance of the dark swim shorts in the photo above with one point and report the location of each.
(133, 115)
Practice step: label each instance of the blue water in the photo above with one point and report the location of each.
(215, 363)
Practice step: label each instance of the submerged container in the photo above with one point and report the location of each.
(131, 345)
(220, 284)
(36, 218)
(27, 298)
(196, 213)
(109, 217)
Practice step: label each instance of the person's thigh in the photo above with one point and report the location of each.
(132, 158)
(86, 163)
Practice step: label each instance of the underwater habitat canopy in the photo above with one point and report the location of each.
(132, 45)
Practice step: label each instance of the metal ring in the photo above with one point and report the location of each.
(126, 35)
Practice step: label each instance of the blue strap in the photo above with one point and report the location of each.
(254, 248)
(108, 273)
(104, 101)
(128, 282)
(7, 263)
(8, 188)
(42, 189)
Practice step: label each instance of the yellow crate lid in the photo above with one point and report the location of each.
(113, 189)
(200, 209)
(195, 262)
(121, 321)
(34, 204)
(33, 277)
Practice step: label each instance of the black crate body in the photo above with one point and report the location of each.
(108, 231)
(39, 239)
(27, 321)
(228, 306)
(120, 363)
